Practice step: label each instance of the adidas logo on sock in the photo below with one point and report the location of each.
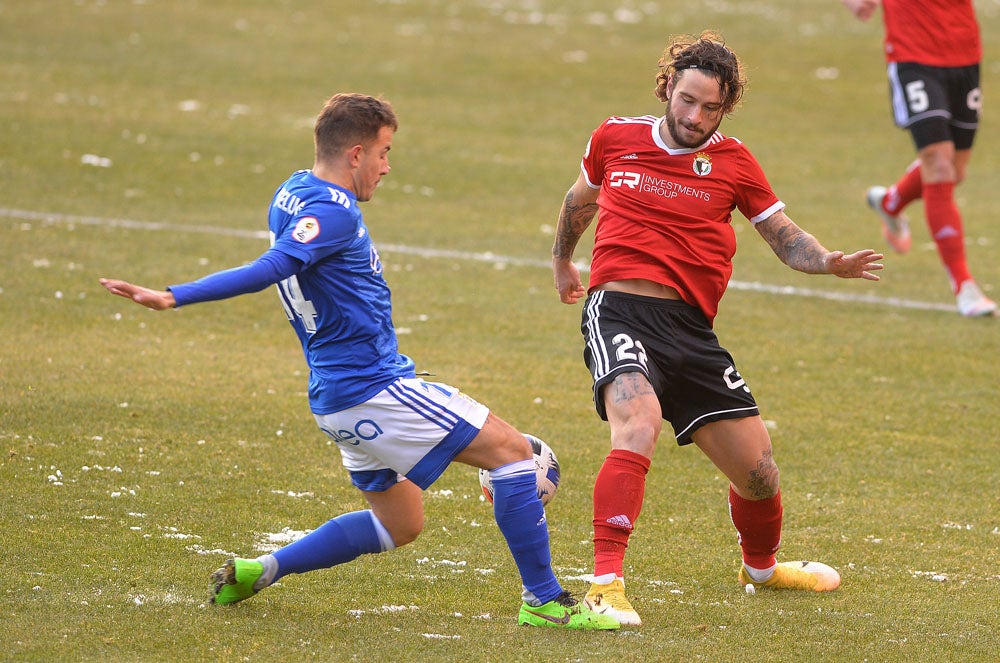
(947, 231)
(891, 202)
(620, 521)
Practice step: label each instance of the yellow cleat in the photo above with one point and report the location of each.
(806, 576)
(610, 600)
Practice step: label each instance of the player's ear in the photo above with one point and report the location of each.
(354, 155)
(671, 80)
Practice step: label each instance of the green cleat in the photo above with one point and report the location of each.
(235, 581)
(565, 612)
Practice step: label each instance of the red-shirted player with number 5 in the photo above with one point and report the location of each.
(663, 190)
(933, 50)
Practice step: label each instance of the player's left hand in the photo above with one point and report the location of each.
(856, 265)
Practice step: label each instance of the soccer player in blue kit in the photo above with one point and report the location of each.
(396, 433)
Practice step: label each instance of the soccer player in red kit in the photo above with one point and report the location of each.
(663, 190)
(933, 50)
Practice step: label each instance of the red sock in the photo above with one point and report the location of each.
(905, 191)
(945, 222)
(758, 528)
(618, 492)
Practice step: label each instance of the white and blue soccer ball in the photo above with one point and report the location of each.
(546, 472)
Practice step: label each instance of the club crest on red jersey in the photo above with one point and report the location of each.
(702, 164)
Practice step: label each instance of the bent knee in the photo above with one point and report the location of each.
(637, 434)
(403, 533)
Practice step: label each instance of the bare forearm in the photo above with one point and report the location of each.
(574, 219)
(801, 251)
(794, 246)
(798, 249)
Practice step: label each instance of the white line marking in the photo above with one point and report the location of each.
(484, 256)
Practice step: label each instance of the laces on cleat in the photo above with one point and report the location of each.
(567, 600)
(565, 611)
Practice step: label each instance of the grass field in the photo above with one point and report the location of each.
(142, 140)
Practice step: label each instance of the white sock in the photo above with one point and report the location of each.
(383, 534)
(270, 570)
(760, 575)
(605, 579)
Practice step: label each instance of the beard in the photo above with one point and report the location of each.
(694, 137)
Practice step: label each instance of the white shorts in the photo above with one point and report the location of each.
(411, 428)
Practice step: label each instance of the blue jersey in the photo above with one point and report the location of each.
(339, 303)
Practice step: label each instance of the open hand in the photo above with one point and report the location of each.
(157, 300)
(853, 266)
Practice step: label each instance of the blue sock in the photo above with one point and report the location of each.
(336, 541)
(521, 519)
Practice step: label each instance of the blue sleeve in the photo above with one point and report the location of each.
(270, 268)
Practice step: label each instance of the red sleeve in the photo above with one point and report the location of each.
(754, 197)
(593, 157)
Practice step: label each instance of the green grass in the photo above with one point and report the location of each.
(140, 448)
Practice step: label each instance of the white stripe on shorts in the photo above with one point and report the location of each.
(422, 404)
(412, 426)
(596, 340)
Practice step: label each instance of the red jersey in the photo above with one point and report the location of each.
(938, 33)
(665, 215)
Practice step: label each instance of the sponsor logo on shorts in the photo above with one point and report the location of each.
(365, 430)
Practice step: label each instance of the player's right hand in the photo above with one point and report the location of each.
(158, 300)
(567, 281)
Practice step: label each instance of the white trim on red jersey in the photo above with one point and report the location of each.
(665, 214)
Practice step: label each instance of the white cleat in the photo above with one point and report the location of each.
(973, 303)
(895, 228)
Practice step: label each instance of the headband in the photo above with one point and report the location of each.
(697, 66)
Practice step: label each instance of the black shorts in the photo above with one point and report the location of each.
(672, 344)
(936, 103)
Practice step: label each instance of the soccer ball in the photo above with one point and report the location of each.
(546, 472)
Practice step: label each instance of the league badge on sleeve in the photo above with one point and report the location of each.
(306, 230)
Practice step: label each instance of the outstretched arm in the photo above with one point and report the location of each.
(270, 268)
(575, 216)
(801, 251)
(157, 300)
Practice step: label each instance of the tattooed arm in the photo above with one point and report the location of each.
(801, 251)
(575, 216)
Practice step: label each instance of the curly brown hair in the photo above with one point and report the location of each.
(709, 53)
